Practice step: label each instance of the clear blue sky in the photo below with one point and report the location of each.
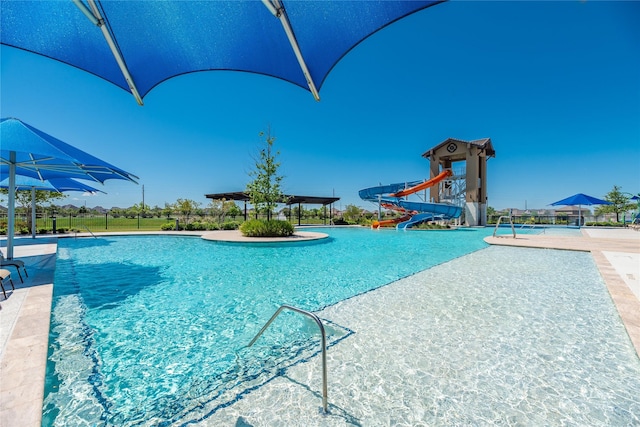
(555, 85)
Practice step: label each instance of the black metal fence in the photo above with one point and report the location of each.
(544, 219)
(47, 223)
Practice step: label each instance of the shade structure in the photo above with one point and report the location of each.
(28, 152)
(138, 44)
(60, 185)
(579, 200)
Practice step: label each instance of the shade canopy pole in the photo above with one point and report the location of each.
(33, 212)
(94, 16)
(277, 9)
(12, 203)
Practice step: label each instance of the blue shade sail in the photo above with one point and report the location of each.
(28, 152)
(580, 199)
(42, 156)
(61, 185)
(162, 39)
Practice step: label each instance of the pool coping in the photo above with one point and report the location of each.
(234, 236)
(23, 357)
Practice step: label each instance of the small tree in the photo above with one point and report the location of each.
(23, 199)
(352, 213)
(186, 207)
(168, 210)
(619, 203)
(233, 210)
(265, 191)
(140, 209)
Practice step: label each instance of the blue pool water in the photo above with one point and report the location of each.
(146, 329)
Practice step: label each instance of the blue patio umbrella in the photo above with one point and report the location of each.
(580, 199)
(29, 152)
(136, 45)
(60, 185)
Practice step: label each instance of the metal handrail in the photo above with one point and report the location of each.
(324, 344)
(498, 225)
(90, 232)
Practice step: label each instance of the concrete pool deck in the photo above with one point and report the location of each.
(24, 317)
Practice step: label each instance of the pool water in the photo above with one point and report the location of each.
(147, 329)
(501, 337)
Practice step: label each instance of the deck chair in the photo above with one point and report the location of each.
(5, 275)
(16, 263)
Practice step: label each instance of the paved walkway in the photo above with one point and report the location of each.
(24, 334)
(24, 317)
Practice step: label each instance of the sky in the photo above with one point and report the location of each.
(555, 85)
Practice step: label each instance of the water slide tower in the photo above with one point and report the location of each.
(473, 176)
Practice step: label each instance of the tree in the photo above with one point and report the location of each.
(265, 191)
(168, 210)
(23, 200)
(619, 203)
(156, 211)
(221, 208)
(23, 197)
(352, 213)
(186, 207)
(234, 210)
(140, 209)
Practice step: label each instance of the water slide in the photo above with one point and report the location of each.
(389, 196)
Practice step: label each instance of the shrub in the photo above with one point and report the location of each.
(196, 225)
(604, 224)
(43, 230)
(230, 225)
(433, 226)
(168, 226)
(270, 228)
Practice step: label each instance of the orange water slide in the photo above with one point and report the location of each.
(384, 223)
(429, 183)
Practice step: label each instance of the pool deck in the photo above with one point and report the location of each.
(25, 314)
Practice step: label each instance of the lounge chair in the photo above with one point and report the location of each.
(5, 275)
(16, 263)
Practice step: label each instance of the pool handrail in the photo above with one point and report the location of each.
(324, 344)
(513, 230)
(90, 232)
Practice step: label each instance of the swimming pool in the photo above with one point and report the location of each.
(143, 335)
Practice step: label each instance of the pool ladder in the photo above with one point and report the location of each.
(513, 230)
(324, 344)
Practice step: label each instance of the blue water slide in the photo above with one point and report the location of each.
(444, 209)
(425, 211)
(372, 194)
(416, 219)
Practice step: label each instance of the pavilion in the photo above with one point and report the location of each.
(288, 200)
